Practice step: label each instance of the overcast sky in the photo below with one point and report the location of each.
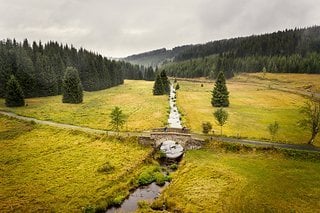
(122, 27)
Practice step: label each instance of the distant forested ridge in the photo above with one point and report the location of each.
(156, 57)
(288, 51)
(284, 43)
(39, 68)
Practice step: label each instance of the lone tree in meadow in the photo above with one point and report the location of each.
(273, 129)
(311, 118)
(177, 86)
(72, 87)
(220, 94)
(165, 82)
(118, 119)
(158, 87)
(221, 117)
(14, 94)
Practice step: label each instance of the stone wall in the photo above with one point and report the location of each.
(185, 140)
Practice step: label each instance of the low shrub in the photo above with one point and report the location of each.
(160, 178)
(118, 200)
(147, 176)
(143, 204)
(151, 174)
(157, 205)
(106, 168)
(206, 127)
(174, 166)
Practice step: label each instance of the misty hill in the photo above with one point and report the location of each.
(295, 50)
(156, 57)
(39, 68)
(287, 42)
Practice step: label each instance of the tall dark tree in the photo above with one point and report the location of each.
(40, 68)
(165, 82)
(220, 94)
(72, 87)
(14, 95)
(158, 86)
(149, 74)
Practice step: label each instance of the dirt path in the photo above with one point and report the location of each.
(303, 147)
(72, 127)
(146, 134)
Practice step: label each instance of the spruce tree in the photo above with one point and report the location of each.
(72, 87)
(220, 94)
(158, 87)
(165, 82)
(14, 94)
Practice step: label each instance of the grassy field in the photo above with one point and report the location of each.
(43, 169)
(252, 108)
(135, 98)
(299, 82)
(219, 181)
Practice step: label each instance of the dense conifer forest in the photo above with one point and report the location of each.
(39, 68)
(288, 51)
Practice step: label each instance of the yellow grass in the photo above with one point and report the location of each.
(43, 169)
(243, 182)
(135, 98)
(299, 82)
(252, 108)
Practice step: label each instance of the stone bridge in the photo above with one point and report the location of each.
(180, 136)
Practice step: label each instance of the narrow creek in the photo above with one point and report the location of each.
(147, 193)
(152, 191)
(174, 116)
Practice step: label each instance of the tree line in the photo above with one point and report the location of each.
(39, 68)
(231, 64)
(285, 43)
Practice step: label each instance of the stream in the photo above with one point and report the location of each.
(148, 193)
(153, 191)
(174, 117)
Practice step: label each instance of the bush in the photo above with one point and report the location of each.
(174, 166)
(106, 168)
(147, 176)
(206, 127)
(160, 178)
(143, 204)
(118, 200)
(157, 204)
(151, 174)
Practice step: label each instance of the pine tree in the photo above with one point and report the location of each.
(118, 119)
(158, 87)
(165, 82)
(72, 87)
(14, 94)
(220, 94)
(177, 86)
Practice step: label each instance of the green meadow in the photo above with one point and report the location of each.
(216, 180)
(44, 169)
(144, 111)
(253, 106)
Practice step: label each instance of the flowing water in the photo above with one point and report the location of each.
(174, 117)
(148, 193)
(152, 191)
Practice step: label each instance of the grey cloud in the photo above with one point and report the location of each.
(123, 27)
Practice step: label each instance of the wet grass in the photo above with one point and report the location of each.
(300, 82)
(135, 98)
(219, 181)
(43, 169)
(252, 108)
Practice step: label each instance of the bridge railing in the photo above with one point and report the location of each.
(169, 129)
